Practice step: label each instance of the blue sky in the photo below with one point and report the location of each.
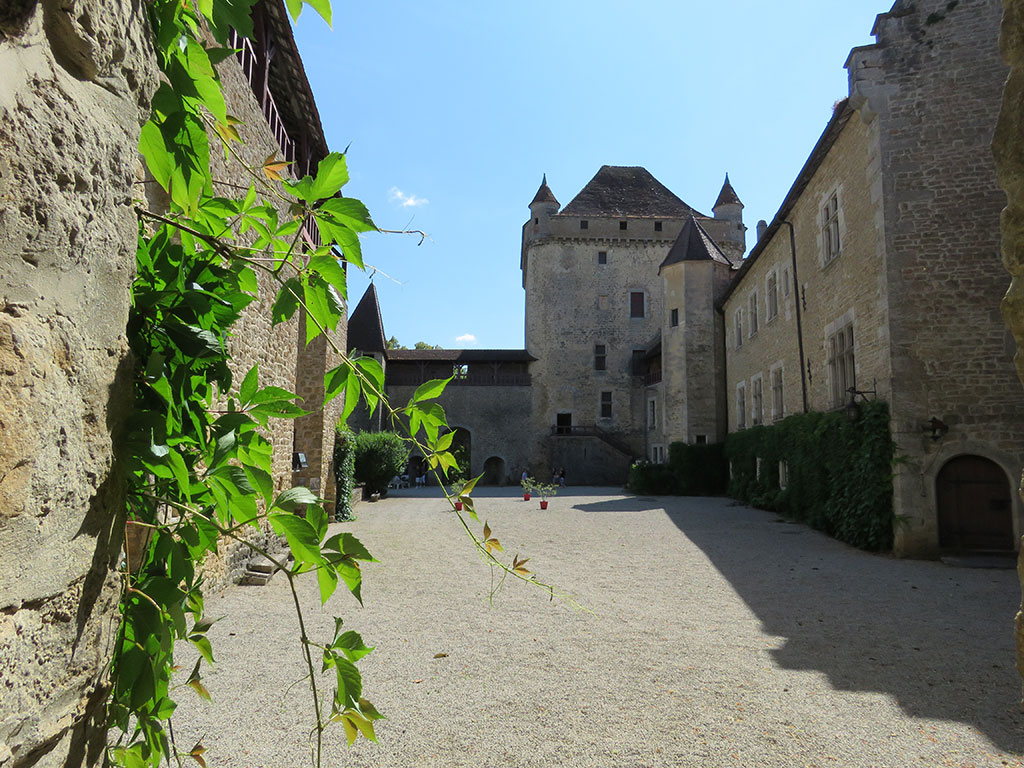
(454, 110)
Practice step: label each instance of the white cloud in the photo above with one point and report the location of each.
(406, 201)
(466, 338)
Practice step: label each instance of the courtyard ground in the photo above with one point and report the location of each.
(715, 635)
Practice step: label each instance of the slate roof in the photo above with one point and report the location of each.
(544, 194)
(618, 190)
(694, 244)
(461, 355)
(727, 196)
(840, 117)
(365, 326)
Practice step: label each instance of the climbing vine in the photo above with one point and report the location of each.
(199, 462)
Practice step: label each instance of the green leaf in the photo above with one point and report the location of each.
(261, 481)
(287, 301)
(302, 539)
(347, 544)
(159, 161)
(351, 644)
(295, 497)
(350, 683)
(348, 212)
(317, 517)
(332, 172)
(429, 390)
(249, 386)
(323, 7)
(327, 265)
(327, 579)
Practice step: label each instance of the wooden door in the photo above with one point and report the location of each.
(974, 505)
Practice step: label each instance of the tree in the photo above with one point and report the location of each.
(425, 345)
(393, 343)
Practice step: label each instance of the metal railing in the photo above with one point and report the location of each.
(501, 380)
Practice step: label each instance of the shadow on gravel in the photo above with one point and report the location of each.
(939, 640)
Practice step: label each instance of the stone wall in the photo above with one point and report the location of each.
(1008, 148)
(934, 78)
(75, 79)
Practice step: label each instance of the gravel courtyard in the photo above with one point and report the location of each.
(714, 635)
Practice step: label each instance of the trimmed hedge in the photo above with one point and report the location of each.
(344, 472)
(692, 470)
(839, 472)
(379, 456)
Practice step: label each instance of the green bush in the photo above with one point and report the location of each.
(839, 472)
(379, 456)
(692, 470)
(344, 472)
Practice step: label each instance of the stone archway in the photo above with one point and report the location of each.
(462, 449)
(974, 505)
(494, 471)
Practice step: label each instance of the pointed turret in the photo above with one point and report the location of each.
(729, 210)
(544, 206)
(694, 244)
(365, 326)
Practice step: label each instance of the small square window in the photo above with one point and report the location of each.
(636, 304)
(623, 224)
(675, 318)
(702, 439)
(602, 301)
(584, 224)
(606, 405)
(602, 257)
(657, 226)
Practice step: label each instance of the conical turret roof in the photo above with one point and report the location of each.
(727, 196)
(694, 244)
(365, 326)
(544, 194)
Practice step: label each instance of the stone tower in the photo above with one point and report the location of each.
(731, 234)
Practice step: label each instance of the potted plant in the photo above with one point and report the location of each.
(455, 490)
(545, 490)
(528, 484)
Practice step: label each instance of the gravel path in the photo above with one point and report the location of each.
(719, 636)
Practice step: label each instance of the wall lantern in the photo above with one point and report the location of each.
(299, 461)
(937, 427)
(852, 409)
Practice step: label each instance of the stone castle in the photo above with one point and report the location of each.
(878, 278)
(645, 324)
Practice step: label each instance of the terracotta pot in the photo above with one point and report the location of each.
(458, 506)
(526, 497)
(543, 505)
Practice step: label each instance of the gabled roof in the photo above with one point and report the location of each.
(461, 355)
(694, 244)
(618, 190)
(544, 194)
(365, 326)
(727, 196)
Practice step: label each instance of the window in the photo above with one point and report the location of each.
(657, 226)
(652, 413)
(602, 257)
(753, 314)
(623, 224)
(606, 405)
(757, 401)
(460, 371)
(636, 304)
(674, 321)
(783, 475)
(657, 454)
(600, 357)
(841, 364)
(584, 224)
(777, 403)
(785, 281)
(602, 301)
(739, 327)
(741, 405)
(702, 439)
(772, 289)
(830, 228)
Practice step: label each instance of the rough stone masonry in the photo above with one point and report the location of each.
(75, 81)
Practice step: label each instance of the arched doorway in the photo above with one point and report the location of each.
(494, 471)
(462, 449)
(975, 506)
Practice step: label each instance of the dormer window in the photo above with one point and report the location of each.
(623, 224)
(584, 224)
(657, 226)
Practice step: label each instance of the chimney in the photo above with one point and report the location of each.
(762, 225)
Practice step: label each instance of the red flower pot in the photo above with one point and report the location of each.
(526, 497)
(458, 506)
(543, 505)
